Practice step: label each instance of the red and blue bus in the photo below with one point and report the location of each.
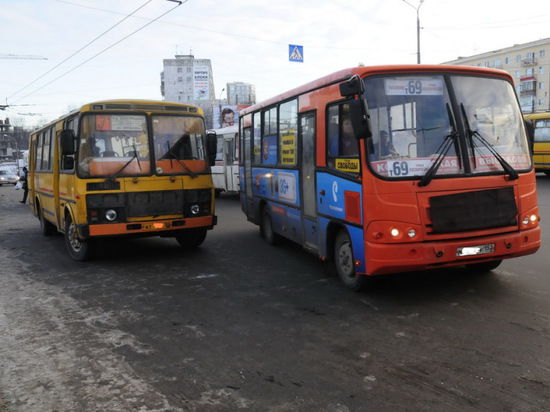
(393, 168)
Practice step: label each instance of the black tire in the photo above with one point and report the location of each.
(547, 172)
(78, 249)
(345, 263)
(484, 267)
(266, 228)
(46, 227)
(191, 238)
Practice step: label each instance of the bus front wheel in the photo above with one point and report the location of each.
(191, 238)
(345, 263)
(78, 249)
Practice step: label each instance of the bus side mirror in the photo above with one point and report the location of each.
(360, 119)
(67, 163)
(530, 129)
(211, 147)
(352, 86)
(67, 139)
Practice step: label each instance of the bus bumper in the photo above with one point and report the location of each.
(405, 257)
(166, 227)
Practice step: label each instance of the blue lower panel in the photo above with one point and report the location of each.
(358, 245)
(286, 221)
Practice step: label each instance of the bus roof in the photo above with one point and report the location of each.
(363, 71)
(537, 116)
(128, 104)
(225, 130)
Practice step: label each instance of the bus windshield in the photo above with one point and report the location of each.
(178, 144)
(414, 124)
(113, 145)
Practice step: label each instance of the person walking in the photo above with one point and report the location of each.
(25, 186)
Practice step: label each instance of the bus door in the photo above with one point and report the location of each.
(249, 201)
(228, 163)
(307, 142)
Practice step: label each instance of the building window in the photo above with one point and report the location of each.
(529, 72)
(541, 102)
(180, 69)
(531, 56)
(180, 79)
(542, 53)
(517, 73)
(498, 63)
(518, 58)
(506, 60)
(189, 70)
(541, 85)
(541, 70)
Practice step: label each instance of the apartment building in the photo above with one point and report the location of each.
(527, 63)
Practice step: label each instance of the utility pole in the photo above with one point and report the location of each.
(417, 27)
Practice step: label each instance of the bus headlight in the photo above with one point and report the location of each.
(195, 209)
(111, 215)
(395, 232)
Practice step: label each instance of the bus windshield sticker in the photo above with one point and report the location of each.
(288, 152)
(127, 123)
(347, 165)
(413, 87)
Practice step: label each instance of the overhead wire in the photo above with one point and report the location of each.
(103, 51)
(80, 49)
(204, 29)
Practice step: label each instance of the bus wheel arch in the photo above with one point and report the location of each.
(340, 248)
(46, 227)
(79, 249)
(266, 225)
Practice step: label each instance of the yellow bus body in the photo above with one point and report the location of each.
(541, 150)
(59, 197)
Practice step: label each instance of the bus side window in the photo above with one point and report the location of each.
(341, 143)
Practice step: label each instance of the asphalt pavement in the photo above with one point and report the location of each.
(240, 325)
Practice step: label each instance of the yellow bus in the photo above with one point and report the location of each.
(541, 150)
(123, 168)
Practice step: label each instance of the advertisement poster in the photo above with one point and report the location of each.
(200, 77)
(226, 115)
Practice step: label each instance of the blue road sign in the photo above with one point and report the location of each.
(295, 53)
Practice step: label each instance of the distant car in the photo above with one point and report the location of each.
(7, 177)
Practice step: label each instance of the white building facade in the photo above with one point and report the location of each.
(185, 79)
(239, 93)
(528, 64)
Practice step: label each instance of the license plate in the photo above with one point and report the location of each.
(475, 250)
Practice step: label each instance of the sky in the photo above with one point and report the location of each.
(246, 40)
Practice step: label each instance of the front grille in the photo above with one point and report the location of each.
(151, 203)
(482, 209)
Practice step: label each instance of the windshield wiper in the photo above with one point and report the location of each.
(116, 174)
(185, 168)
(470, 134)
(474, 133)
(441, 151)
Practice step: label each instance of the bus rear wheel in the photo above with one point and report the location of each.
(191, 238)
(266, 228)
(484, 267)
(46, 227)
(345, 263)
(78, 249)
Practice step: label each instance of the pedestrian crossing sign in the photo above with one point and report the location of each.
(295, 53)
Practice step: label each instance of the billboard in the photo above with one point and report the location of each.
(201, 82)
(225, 116)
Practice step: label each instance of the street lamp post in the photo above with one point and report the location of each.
(417, 8)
